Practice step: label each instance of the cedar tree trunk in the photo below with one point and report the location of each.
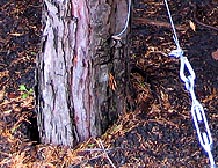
(78, 96)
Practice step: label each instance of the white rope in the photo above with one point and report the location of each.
(102, 146)
(173, 27)
(118, 36)
(197, 111)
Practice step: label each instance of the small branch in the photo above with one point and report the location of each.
(157, 23)
(101, 145)
(204, 25)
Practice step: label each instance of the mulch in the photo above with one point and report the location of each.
(156, 130)
(20, 27)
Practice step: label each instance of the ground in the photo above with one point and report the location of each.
(156, 129)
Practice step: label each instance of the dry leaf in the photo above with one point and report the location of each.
(16, 34)
(215, 55)
(112, 82)
(192, 25)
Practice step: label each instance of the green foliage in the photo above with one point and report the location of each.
(32, 52)
(26, 92)
(91, 145)
(25, 95)
(22, 87)
(142, 84)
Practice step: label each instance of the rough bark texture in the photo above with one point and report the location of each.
(74, 69)
(54, 70)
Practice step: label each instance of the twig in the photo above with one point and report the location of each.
(85, 161)
(205, 25)
(157, 23)
(95, 149)
(6, 154)
(201, 23)
(101, 145)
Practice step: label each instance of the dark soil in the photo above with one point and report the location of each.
(20, 27)
(157, 129)
(151, 40)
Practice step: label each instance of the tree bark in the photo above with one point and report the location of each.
(74, 68)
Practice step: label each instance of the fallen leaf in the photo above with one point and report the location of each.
(192, 25)
(215, 55)
(22, 87)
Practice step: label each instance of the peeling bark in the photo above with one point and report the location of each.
(55, 124)
(75, 102)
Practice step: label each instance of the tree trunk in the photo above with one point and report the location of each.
(75, 67)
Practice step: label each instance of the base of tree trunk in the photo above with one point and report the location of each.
(81, 70)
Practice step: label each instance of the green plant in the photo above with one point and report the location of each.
(25, 92)
(142, 84)
(32, 52)
(91, 145)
